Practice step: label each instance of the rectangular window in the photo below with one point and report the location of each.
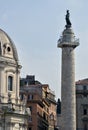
(29, 128)
(10, 83)
(30, 107)
(85, 112)
(30, 119)
(30, 97)
(21, 96)
(84, 87)
(85, 126)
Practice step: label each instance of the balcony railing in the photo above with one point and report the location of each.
(62, 39)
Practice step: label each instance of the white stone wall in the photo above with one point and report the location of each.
(13, 123)
(13, 115)
(82, 103)
(68, 107)
(4, 73)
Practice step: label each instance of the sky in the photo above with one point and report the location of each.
(35, 27)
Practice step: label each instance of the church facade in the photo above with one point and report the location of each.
(13, 113)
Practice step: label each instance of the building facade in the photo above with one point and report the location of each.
(50, 98)
(41, 101)
(13, 114)
(82, 104)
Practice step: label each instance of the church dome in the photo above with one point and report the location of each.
(7, 47)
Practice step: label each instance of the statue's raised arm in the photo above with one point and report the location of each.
(68, 23)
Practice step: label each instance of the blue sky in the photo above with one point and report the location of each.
(35, 26)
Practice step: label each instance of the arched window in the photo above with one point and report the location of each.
(10, 83)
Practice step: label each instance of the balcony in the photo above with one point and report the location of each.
(65, 41)
(85, 117)
(43, 119)
(81, 91)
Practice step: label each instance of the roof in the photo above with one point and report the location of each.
(4, 40)
(82, 82)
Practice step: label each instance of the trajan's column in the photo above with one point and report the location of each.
(68, 43)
